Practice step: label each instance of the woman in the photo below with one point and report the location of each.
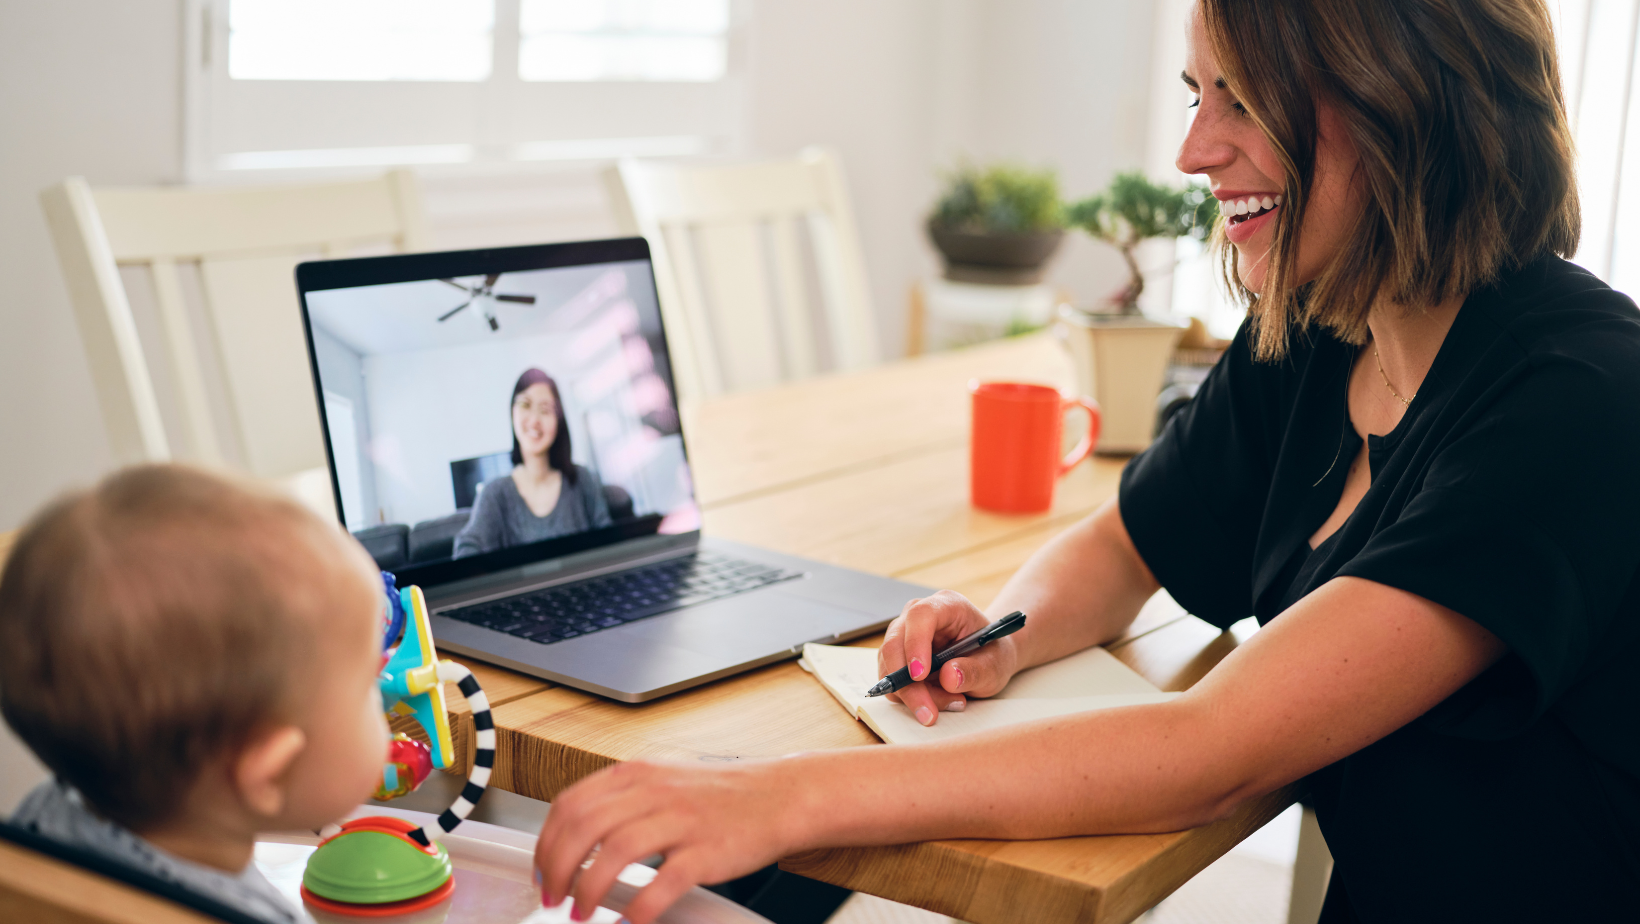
(546, 495)
(1416, 465)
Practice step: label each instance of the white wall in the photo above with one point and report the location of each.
(905, 89)
(85, 88)
(93, 87)
(1061, 83)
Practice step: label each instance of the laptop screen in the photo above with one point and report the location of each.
(493, 414)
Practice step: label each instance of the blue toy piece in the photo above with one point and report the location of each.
(410, 681)
(395, 611)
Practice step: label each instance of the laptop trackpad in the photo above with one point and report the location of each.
(748, 626)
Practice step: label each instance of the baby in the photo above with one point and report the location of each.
(195, 659)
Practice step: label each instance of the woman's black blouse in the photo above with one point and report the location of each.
(1509, 492)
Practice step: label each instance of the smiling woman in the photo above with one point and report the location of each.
(546, 495)
(1414, 466)
(1467, 165)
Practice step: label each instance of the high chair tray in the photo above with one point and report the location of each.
(495, 882)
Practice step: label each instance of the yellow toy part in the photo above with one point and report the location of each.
(409, 682)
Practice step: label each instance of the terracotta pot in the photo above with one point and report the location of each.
(998, 259)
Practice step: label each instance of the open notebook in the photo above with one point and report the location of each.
(1088, 680)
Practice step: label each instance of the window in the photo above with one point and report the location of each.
(1597, 41)
(681, 40)
(360, 39)
(333, 84)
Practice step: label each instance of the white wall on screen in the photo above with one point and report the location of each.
(342, 371)
(344, 448)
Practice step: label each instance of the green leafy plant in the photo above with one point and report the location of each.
(1018, 327)
(1134, 209)
(1000, 199)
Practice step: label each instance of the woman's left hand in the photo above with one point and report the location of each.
(711, 823)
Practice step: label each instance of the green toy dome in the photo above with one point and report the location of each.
(373, 867)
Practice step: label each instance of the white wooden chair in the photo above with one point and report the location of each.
(735, 288)
(232, 359)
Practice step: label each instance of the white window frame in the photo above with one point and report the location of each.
(246, 130)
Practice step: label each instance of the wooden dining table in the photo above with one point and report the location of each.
(869, 470)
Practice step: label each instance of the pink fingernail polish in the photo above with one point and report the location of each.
(924, 716)
(958, 671)
(917, 669)
(957, 705)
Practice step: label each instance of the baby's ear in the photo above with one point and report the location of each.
(259, 772)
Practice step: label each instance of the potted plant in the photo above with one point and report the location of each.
(998, 225)
(1121, 356)
(1133, 210)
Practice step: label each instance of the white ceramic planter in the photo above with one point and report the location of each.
(962, 313)
(1121, 362)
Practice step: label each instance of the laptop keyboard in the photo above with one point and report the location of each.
(569, 610)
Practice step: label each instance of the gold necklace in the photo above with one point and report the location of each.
(1405, 402)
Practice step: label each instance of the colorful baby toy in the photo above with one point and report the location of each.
(378, 866)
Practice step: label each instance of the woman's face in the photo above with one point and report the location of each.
(535, 419)
(1245, 174)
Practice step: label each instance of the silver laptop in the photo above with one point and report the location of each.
(503, 430)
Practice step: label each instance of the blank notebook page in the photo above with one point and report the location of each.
(1088, 680)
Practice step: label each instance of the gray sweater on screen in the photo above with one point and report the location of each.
(502, 519)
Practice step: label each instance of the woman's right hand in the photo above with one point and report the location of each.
(928, 625)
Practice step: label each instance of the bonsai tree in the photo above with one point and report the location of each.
(1134, 209)
(1001, 199)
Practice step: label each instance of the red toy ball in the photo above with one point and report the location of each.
(408, 763)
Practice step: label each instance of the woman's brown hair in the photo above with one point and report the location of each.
(558, 454)
(1456, 112)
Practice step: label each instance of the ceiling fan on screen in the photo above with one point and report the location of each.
(485, 297)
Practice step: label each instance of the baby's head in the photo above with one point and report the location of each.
(195, 655)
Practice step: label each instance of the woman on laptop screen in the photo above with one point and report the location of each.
(546, 495)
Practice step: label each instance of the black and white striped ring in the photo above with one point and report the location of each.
(483, 750)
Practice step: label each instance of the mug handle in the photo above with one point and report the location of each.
(1081, 450)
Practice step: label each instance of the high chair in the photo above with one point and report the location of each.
(47, 883)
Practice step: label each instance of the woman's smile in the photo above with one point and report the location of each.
(1246, 213)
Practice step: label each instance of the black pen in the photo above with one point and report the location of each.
(901, 678)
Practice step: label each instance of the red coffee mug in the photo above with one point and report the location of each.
(1014, 457)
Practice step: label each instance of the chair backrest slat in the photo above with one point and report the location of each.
(183, 356)
(688, 312)
(251, 305)
(791, 293)
(727, 255)
(738, 289)
(119, 369)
